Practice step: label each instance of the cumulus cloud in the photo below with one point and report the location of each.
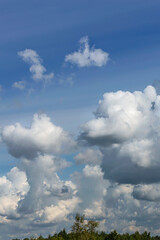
(150, 192)
(42, 137)
(91, 189)
(36, 196)
(13, 188)
(87, 56)
(37, 70)
(60, 212)
(123, 212)
(46, 187)
(120, 181)
(89, 156)
(126, 130)
(48, 198)
(121, 116)
(97, 210)
(126, 127)
(126, 213)
(92, 171)
(44, 198)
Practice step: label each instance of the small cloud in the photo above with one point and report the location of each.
(36, 68)
(87, 56)
(19, 85)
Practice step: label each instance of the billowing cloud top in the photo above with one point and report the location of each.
(87, 56)
(121, 116)
(42, 137)
(128, 123)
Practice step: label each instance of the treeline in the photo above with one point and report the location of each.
(62, 235)
(86, 230)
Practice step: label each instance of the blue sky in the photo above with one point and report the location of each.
(127, 30)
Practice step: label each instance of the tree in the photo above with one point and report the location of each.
(82, 229)
(79, 227)
(112, 236)
(91, 226)
(40, 238)
(63, 234)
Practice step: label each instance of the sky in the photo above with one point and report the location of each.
(79, 115)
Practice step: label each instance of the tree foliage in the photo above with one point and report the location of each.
(86, 230)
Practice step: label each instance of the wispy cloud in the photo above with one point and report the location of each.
(19, 85)
(37, 70)
(87, 56)
(67, 80)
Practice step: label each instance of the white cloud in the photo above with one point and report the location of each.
(121, 116)
(126, 183)
(43, 136)
(91, 190)
(59, 212)
(127, 124)
(37, 70)
(97, 210)
(19, 85)
(92, 171)
(36, 196)
(13, 188)
(46, 187)
(126, 129)
(89, 156)
(19, 181)
(125, 189)
(46, 198)
(87, 56)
